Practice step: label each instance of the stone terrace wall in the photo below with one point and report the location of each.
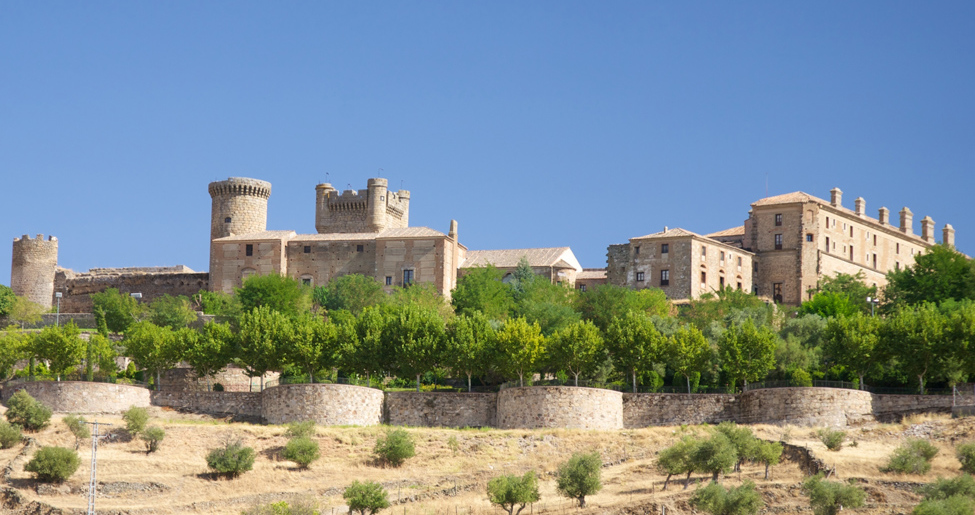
(560, 406)
(232, 378)
(326, 404)
(442, 409)
(83, 397)
(239, 404)
(661, 409)
(806, 406)
(892, 408)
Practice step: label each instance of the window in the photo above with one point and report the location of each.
(721, 282)
(226, 220)
(844, 226)
(778, 219)
(704, 278)
(307, 249)
(306, 281)
(721, 256)
(249, 250)
(874, 240)
(897, 265)
(582, 287)
(636, 250)
(897, 249)
(358, 248)
(389, 280)
(407, 277)
(739, 285)
(704, 253)
(664, 248)
(827, 244)
(875, 260)
(639, 276)
(827, 222)
(851, 252)
(809, 237)
(739, 261)
(777, 292)
(778, 242)
(665, 278)
(851, 231)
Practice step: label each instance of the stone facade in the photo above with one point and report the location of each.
(892, 408)
(661, 409)
(559, 407)
(806, 406)
(83, 397)
(442, 409)
(153, 282)
(35, 260)
(232, 378)
(239, 206)
(238, 404)
(326, 404)
(371, 210)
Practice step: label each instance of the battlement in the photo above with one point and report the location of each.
(240, 186)
(370, 210)
(38, 240)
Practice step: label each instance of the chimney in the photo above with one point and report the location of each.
(452, 234)
(883, 216)
(948, 236)
(836, 197)
(927, 229)
(861, 206)
(907, 221)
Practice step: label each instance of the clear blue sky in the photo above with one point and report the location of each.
(534, 124)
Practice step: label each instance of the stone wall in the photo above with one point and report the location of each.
(326, 404)
(806, 406)
(77, 288)
(32, 268)
(232, 378)
(659, 409)
(239, 404)
(83, 397)
(442, 409)
(892, 408)
(558, 407)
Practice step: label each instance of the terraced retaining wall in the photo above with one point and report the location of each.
(558, 407)
(326, 404)
(82, 396)
(426, 409)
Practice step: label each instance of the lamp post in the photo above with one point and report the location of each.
(57, 318)
(873, 301)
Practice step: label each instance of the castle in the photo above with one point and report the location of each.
(785, 246)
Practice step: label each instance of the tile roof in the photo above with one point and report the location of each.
(668, 233)
(734, 231)
(259, 236)
(411, 232)
(788, 198)
(591, 273)
(509, 258)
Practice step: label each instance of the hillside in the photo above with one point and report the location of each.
(438, 479)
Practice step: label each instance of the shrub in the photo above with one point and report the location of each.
(301, 450)
(955, 505)
(579, 477)
(966, 455)
(231, 460)
(10, 435)
(300, 507)
(53, 464)
(714, 455)
(832, 438)
(300, 429)
(78, 427)
(508, 491)
(152, 436)
(453, 444)
(25, 411)
(962, 485)
(716, 500)
(135, 419)
(394, 447)
(368, 497)
(217, 387)
(914, 457)
(829, 497)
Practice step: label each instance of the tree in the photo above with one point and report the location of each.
(724, 304)
(395, 447)
(313, 344)
(231, 460)
(152, 437)
(366, 498)
(939, 274)
(549, 305)
(210, 352)
(687, 351)
(510, 491)
(152, 347)
(27, 412)
(634, 344)
(416, 335)
(829, 304)
(301, 450)
(747, 352)
(520, 346)
(422, 295)
(276, 292)
(480, 289)
(715, 455)
(716, 500)
(843, 294)
(577, 348)
(364, 349)
(678, 459)
(767, 453)
(120, 310)
(217, 303)
(604, 302)
(53, 464)
(853, 342)
(260, 341)
(172, 312)
(24, 312)
(916, 336)
(353, 292)
(829, 497)
(100, 353)
(7, 299)
(13, 348)
(741, 438)
(61, 346)
(78, 427)
(470, 338)
(579, 476)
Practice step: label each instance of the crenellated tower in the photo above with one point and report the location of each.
(239, 207)
(370, 210)
(35, 261)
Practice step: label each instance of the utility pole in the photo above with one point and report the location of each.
(92, 483)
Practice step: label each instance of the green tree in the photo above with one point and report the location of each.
(829, 304)
(7, 299)
(747, 352)
(913, 457)
(395, 447)
(261, 339)
(917, 338)
(276, 292)
(353, 293)
(61, 346)
(943, 488)
(480, 289)
(120, 310)
(14, 346)
(53, 464)
(100, 353)
(231, 460)
(955, 505)
(510, 491)
(152, 437)
(520, 347)
(741, 438)
(577, 348)
(634, 344)
(939, 274)
(715, 455)
(844, 292)
(172, 312)
(27, 412)
(301, 450)
(549, 305)
(678, 459)
(313, 344)
(580, 476)
(725, 304)
(78, 427)
(717, 500)
(217, 303)
(604, 302)
(210, 352)
(24, 312)
(830, 497)
(421, 295)
(470, 339)
(966, 456)
(366, 497)
(152, 347)
(854, 342)
(364, 350)
(767, 453)
(417, 336)
(687, 351)
(136, 418)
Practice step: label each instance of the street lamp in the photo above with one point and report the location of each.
(873, 301)
(57, 318)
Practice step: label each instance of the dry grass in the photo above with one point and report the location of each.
(175, 479)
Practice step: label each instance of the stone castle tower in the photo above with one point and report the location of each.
(35, 262)
(239, 207)
(370, 210)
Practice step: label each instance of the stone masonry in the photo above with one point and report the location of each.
(560, 407)
(83, 397)
(326, 404)
(32, 269)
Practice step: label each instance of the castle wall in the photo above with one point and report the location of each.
(83, 397)
(233, 264)
(424, 256)
(238, 206)
(77, 288)
(891, 408)
(442, 409)
(33, 265)
(370, 210)
(326, 404)
(327, 259)
(617, 259)
(661, 409)
(559, 407)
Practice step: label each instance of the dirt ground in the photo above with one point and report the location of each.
(442, 480)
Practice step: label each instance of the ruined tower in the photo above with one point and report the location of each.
(32, 270)
(370, 210)
(239, 207)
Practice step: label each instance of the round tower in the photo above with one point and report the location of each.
(376, 215)
(32, 270)
(239, 207)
